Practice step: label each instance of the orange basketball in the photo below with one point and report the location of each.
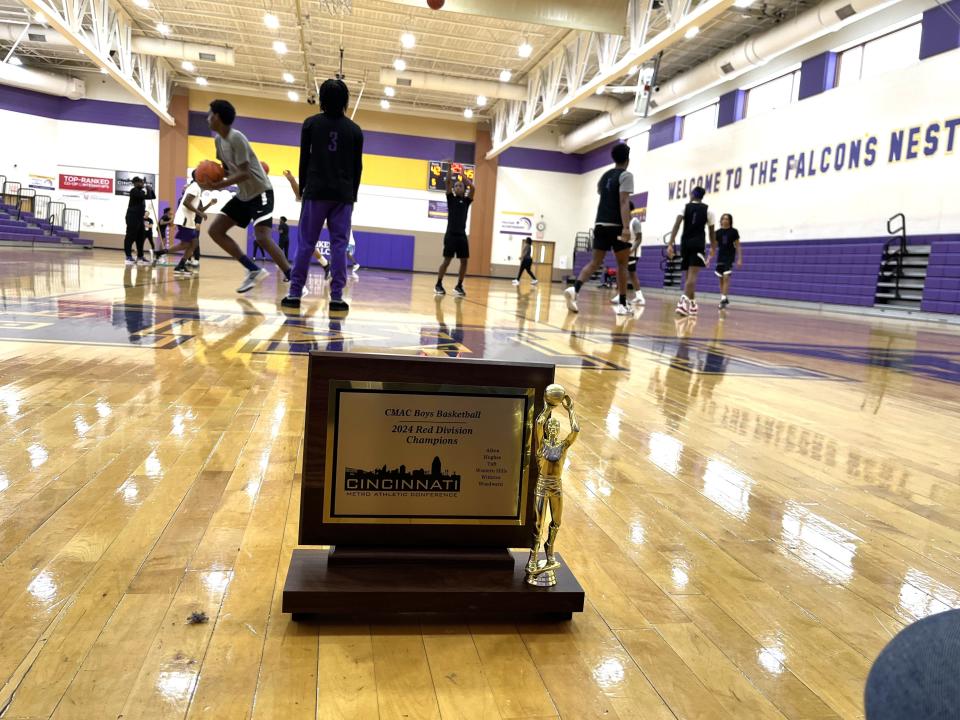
(266, 168)
(435, 4)
(209, 172)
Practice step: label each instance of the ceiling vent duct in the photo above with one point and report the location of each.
(845, 12)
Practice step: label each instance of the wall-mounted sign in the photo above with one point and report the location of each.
(437, 209)
(85, 183)
(124, 180)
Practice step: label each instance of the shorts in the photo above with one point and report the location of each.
(724, 267)
(632, 263)
(607, 238)
(692, 256)
(258, 210)
(457, 246)
(185, 234)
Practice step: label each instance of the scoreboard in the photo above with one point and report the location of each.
(437, 176)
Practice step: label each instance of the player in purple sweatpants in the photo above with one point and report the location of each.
(331, 163)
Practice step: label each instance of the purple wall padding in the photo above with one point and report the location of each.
(385, 251)
(550, 160)
(940, 31)
(941, 292)
(818, 74)
(665, 132)
(596, 159)
(732, 106)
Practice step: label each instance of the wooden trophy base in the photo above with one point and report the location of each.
(444, 586)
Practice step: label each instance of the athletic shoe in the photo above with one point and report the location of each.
(142, 261)
(193, 263)
(515, 282)
(724, 301)
(252, 279)
(338, 306)
(622, 310)
(459, 291)
(615, 299)
(129, 261)
(438, 289)
(182, 271)
(534, 281)
(290, 302)
(683, 305)
(694, 309)
(638, 298)
(355, 269)
(570, 295)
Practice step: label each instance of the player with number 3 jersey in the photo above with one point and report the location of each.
(331, 163)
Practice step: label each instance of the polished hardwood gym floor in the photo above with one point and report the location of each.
(759, 501)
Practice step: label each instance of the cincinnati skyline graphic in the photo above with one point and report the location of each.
(399, 479)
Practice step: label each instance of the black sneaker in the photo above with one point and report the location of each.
(290, 302)
(438, 290)
(724, 302)
(338, 306)
(459, 291)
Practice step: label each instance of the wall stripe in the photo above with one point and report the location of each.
(549, 160)
(103, 112)
(383, 170)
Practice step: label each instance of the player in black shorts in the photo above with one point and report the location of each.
(697, 218)
(253, 201)
(612, 230)
(728, 253)
(455, 242)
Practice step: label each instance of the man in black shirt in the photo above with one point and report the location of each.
(136, 209)
(612, 229)
(166, 220)
(696, 220)
(283, 236)
(331, 163)
(455, 241)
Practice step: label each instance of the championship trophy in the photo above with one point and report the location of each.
(551, 453)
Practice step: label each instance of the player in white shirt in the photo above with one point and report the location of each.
(191, 212)
(636, 237)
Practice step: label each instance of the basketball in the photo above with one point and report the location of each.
(435, 4)
(209, 172)
(553, 395)
(266, 168)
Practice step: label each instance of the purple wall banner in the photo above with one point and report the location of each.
(665, 132)
(818, 74)
(548, 160)
(437, 209)
(91, 111)
(940, 31)
(731, 108)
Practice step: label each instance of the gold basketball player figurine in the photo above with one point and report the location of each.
(551, 453)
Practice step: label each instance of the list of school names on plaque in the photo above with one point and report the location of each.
(428, 455)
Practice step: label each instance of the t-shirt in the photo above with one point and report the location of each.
(137, 205)
(284, 232)
(331, 158)
(148, 227)
(457, 210)
(527, 253)
(234, 151)
(611, 184)
(726, 237)
(636, 228)
(183, 217)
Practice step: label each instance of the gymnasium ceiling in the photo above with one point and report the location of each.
(448, 43)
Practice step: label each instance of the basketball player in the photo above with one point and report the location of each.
(148, 233)
(166, 220)
(331, 163)
(295, 186)
(253, 201)
(612, 230)
(526, 261)
(455, 241)
(136, 209)
(636, 235)
(283, 236)
(696, 219)
(191, 212)
(728, 252)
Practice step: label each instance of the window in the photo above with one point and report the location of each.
(700, 122)
(892, 51)
(773, 94)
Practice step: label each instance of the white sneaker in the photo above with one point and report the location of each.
(515, 282)
(129, 261)
(622, 310)
(534, 282)
(355, 269)
(251, 280)
(693, 307)
(683, 305)
(615, 299)
(193, 263)
(570, 295)
(638, 299)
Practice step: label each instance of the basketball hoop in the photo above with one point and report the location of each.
(337, 7)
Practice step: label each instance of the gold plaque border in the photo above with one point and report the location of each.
(445, 389)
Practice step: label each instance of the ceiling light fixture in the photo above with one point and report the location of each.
(385, 104)
(408, 40)
(743, 3)
(163, 28)
(468, 113)
(144, 4)
(14, 60)
(505, 75)
(288, 77)
(293, 95)
(692, 33)
(399, 64)
(279, 47)
(188, 66)
(481, 100)
(271, 21)
(201, 80)
(389, 91)
(525, 50)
